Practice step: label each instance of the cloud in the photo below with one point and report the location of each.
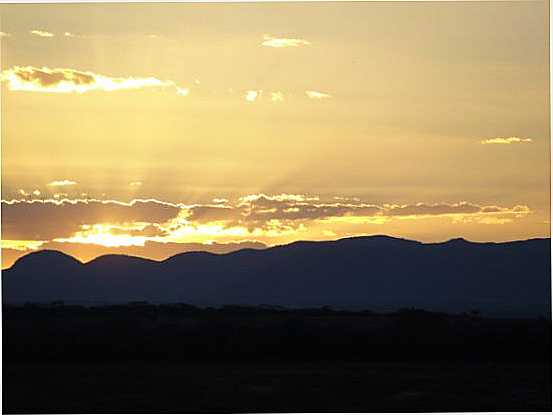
(509, 140)
(277, 96)
(494, 221)
(423, 209)
(60, 183)
(21, 245)
(283, 197)
(41, 33)
(251, 217)
(24, 193)
(212, 213)
(46, 219)
(76, 35)
(289, 212)
(252, 95)
(183, 91)
(63, 80)
(275, 42)
(317, 95)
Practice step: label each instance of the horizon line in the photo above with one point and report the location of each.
(267, 247)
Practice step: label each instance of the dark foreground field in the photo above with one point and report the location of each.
(145, 358)
(275, 386)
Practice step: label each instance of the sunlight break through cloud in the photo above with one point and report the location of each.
(258, 216)
(90, 227)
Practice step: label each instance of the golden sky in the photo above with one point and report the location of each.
(152, 129)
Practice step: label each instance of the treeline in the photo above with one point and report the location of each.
(142, 331)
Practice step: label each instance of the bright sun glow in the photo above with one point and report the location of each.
(106, 235)
(21, 245)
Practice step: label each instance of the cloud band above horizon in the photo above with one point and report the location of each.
(256, 215)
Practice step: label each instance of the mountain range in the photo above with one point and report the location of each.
(374, 272)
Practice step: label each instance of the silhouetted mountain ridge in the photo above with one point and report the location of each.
(379, 272)
(116, 259)
(46, 257)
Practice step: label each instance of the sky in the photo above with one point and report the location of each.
(153, 129)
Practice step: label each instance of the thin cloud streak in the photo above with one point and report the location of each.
(509, 140)
(64, 182)
(275, 42)
(41, 33)
(317, 95)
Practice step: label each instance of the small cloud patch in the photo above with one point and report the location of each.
(64, 182)
(183, 91)
(277, 96)
(252, 95)
(509, 140)
(41, 33)
(317, 95)
(276, 42)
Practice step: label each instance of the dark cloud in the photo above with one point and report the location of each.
(213, 213)
(50, 77)
(45, 220)
(259, 209)
(64, 80)
(50, 219)
(434, 209)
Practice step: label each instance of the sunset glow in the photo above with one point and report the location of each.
(272, 124)
(104, 234)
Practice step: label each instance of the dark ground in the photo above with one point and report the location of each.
(275, 387)
(145, 358)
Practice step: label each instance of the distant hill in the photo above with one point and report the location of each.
(151, 249)
(377, 272)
